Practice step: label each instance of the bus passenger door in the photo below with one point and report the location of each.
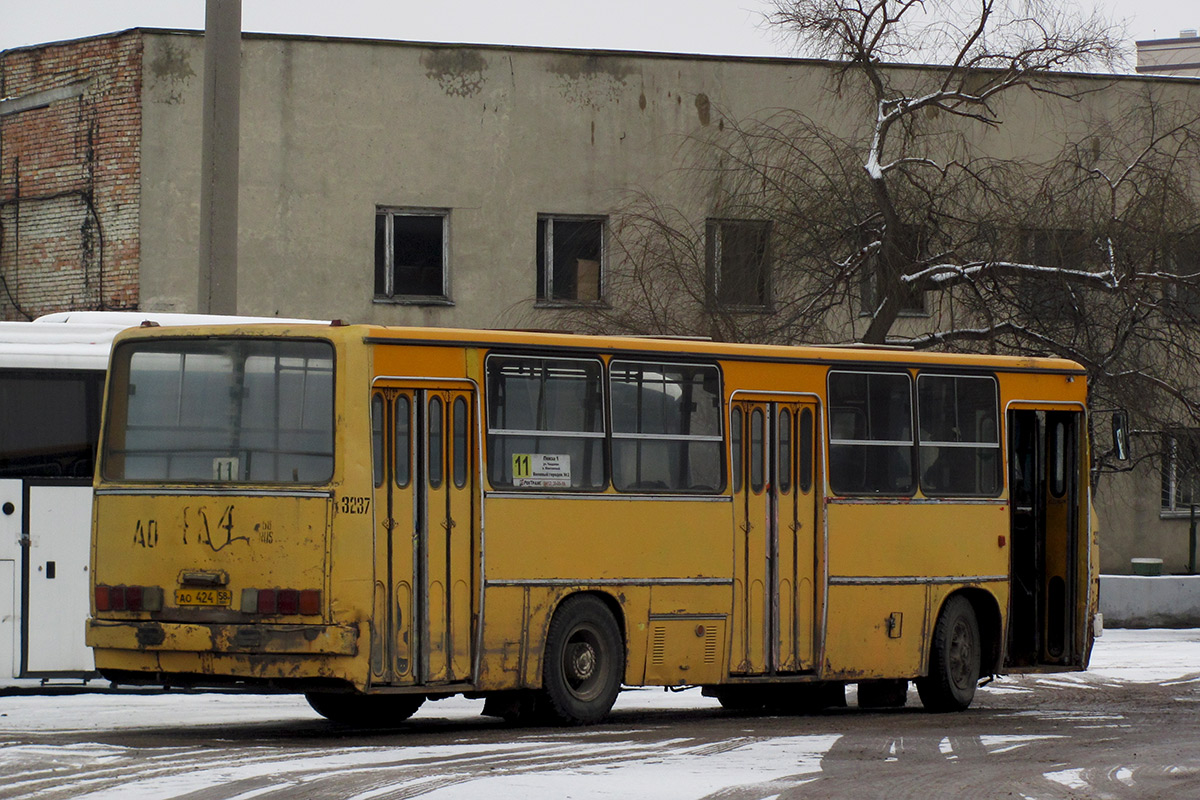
(1048, 557)
(425, 483)
(774, 537)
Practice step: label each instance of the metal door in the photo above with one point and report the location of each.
(774, 488)
(425, 481)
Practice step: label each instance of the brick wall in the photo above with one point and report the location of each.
(70, 133)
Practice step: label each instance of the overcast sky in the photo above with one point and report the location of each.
(719, 27)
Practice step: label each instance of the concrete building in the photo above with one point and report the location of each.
(419, 184)
(1179, 56)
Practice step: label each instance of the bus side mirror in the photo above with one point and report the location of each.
(1120, 434)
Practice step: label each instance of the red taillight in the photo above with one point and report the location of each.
(306, 602)
(128, 598)
(310, 602)
(289, 601)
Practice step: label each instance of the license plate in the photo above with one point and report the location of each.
(203, 597)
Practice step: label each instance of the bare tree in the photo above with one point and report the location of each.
(904, 210)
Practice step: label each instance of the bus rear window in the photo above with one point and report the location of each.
(230, 411)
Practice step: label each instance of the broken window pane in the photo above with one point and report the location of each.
(410, 254)
(738, 261)
(570, 255)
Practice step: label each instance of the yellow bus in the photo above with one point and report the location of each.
(377, 516)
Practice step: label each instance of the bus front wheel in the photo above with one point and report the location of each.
(366, 710)
(954, 659)
(584, 661)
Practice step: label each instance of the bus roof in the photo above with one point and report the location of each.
(515, 340)
(82, 340)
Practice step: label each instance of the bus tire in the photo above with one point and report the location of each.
(365, 710)
(584, 662)
(883, 693)
(954, 659)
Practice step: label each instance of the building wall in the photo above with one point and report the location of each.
(69, 166)
(334, 129)
(1179, 56)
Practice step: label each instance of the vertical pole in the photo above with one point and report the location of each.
(219, 152)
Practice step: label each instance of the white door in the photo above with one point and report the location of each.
(60, 520)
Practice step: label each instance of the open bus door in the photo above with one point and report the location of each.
(424, 511)
(1049, 555)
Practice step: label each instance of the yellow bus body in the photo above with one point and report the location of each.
(748, 586)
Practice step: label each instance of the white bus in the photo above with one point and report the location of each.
(51, 382)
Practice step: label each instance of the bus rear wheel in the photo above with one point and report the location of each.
(954, 660)
(365, 710)
(584, 662)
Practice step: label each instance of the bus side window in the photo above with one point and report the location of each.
(436, 451)
(403, 440)
(460, 423)
(377, 438)
(785, 451)
(735, 445)
(756, 450)
(805, 472)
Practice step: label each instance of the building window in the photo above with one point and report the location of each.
(907, 249)
(410, 255)
(570, 259)
(739, 262)
(1183, 298)
(1180, 471)
(1053, 297)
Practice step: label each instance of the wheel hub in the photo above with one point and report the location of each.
(582, 661)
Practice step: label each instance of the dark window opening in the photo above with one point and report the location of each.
(903, 254)
(1181, 470)
(410, 254)
(50, 424)
(570, 259)
(738, 261)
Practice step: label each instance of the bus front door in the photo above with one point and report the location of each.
(775, 539)
(1048, 555)
(424, 500)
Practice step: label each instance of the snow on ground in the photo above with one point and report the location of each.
(550, 763)
(1136, 656)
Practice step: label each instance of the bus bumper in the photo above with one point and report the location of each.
(150, 636)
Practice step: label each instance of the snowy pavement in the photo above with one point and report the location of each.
(1032, 734)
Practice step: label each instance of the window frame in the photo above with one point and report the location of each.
(601, 436)
(544, 259)
(714, 250)
(119, 378)
(390, 290)
(1169, 507)
(718, 438)
(918, 237)
(910, 444)
(997, 445)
